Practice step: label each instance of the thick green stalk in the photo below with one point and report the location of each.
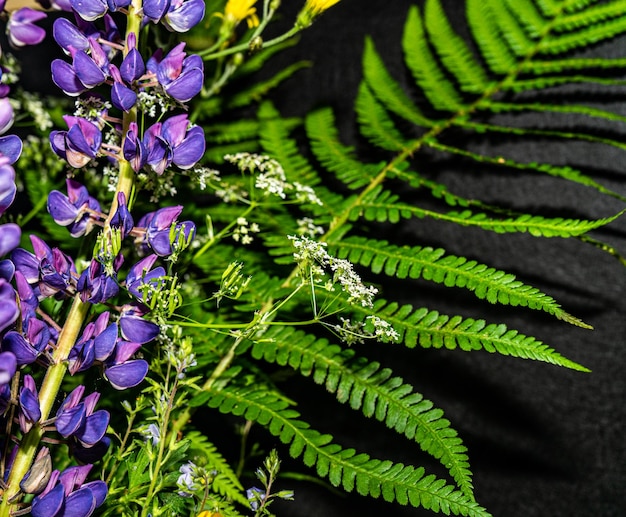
(47, 395)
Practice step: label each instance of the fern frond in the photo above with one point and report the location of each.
(375, 124)
(485, 29)
(564, 172)
(435, 265)
(226, 482)
(387, 90)
(332, 154)
(345, 467)
(428, 329)
(425, 68)
(583, 37)
(374, 391)
(510, 29)
(561, 65)
(590, 16)
(529, 16)
(382, 206)
(541, 83)
(453, 51)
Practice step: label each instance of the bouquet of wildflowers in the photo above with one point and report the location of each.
(162, 257)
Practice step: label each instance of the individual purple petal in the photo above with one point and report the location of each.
(138, 330)
(155, 9)
(21, 28)
(29, 404)
(50, 504)
(9, 311)
(23, 351)
(87, 71)
(62, 211)
(183, 15)
(189, 152)
(70, 420)
(80, 503)
(6, 115)
(11, 147)
(94, 428)
(7, 269)
(133, 148)
(10, 234)
(64, 76)
(122, 97)
(187, 86)
(98, 489)
(124, 351)
(90, 10)
(67, 35)
(105, 342)
(128, 374)
(8, 366)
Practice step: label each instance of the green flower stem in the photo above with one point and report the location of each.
(47, 395)
(245, 47)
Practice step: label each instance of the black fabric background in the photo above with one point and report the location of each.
(543, 441)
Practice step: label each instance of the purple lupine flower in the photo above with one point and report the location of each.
(22, 29)
(30, 412)
(6, 115)
(163, 233)
(96, 285)
(96, 343)
(78, 419)
(173, 142)
(64, 76)
(142, 274)
(187, 143)
(181, 76)
(79, 144)
(50, 269)
(68, 495)
(74, 210)
(182, 15)
(134, 149)
(8, 366)
(28, 344)
(67, 35)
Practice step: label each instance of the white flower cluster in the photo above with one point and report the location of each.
(151, 101)
(307, 227)
(312, 253)
(203, 176)
(244, 230)
(271, 178)
(374, 327)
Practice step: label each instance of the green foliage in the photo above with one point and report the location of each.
(519, 48)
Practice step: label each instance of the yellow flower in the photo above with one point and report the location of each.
(316, 7)
(238, 10)
(311, 10)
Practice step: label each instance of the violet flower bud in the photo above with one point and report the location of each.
(30, 412)
(122, 97)
(21, 28)
(134, 149)
(121, 218)
(133, 66)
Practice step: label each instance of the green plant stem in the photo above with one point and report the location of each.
(244, 47)
(47, 395)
